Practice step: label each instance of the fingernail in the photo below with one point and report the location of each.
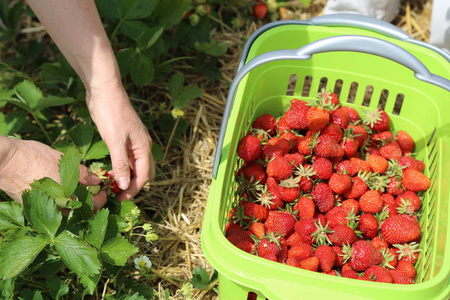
(123, 183)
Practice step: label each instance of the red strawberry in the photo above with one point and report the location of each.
(391, 150)
(407, 268)
(408, 252)
(405, 141)
(329, 98)
(311, 264)
(353, 115)
(281, 222)
(323, 196)
(305, 228)
(340, 256)
(292, 138)
(379, 243)
(290, 189)
(368, 226)
(411, 163)
(300, 251)
(295, 116)
(342, 235)
(237, 236)
(266, 122)
(339, 117)
(279, 168)
(397, 229)
(327, 257)
(249, 148)
(415, 181)
(382, 137)
(293, 239)
(326, 146)
(350, 205)
(323, 168)
(377, 163)
(255, 211)
(260, 11)
(269, 196)
(360, 134)
(290, 261)
(408, 202)
(400, 278)
(371, 202)
(363, 255)
(361, 165)
(334, 131)
(377, 120)
(258, 229)
(305, 207)
(282, 126)
(296, 159)
(254, 172)
(340, 183)
(281, 143)
(359, 187)
(246, 246)
(317, 118)
(268, 246)
(335, 216)
(347, 167)
(114, 188)
(379, 274)
(269, 152)
(395, 186)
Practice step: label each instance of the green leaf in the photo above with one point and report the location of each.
(97, 228)
(158, 152)
(29, 92)
(6, 95)
(58, 288)
(90, 282)
(133, 29)
(200, 278)
(69, 170)
(149, 37)
(125, 59)
(54, 72)
(176, 82)
(51, 101)
(85, 211)
(29, 294)
(18, 254)
(98, 150)
(212, 48)
(52, 188)
(170, 12)
(77, 255)
(117, 250)
(139, 9)
(189, 93)
(142, 70)
(12, 122)
(5, 225)
(12, 212)
(110, 8)
(41, 212)
(82, 136)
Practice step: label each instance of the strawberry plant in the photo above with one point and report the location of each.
(46, 251)
(341, 195)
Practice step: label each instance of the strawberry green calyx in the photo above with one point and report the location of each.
(394, 169)
(407, 249)
(406, 207)
(387, 258)
(238, 216)
(352, 220)
(98, 169)
(320, 236)
(307, 172)
(378, 182)
(290, 182)
(264, 197)
(383, 214)
(347, 253)
(370, 117)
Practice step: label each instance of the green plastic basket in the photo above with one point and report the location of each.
(365, 72)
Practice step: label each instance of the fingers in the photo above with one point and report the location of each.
(121, 165)
(87, 178)
(99, 200)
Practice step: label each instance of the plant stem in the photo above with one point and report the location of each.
(172, 60)
(38, 122)
(170, 139)
(170, 279)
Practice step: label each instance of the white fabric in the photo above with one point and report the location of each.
(440, 24)
(387, 10)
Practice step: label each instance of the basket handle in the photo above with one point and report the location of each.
(353, 43)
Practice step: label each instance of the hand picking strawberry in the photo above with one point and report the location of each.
(326, 189)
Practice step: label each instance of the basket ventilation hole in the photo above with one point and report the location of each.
(338, 87)
(306, 86)
(367, 95)
(431, 137)
(323, 84)
(291, 85)
(352, 92)
(383, 99)
(398, 104)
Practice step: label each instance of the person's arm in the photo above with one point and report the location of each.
(76, 28)
(22, 162)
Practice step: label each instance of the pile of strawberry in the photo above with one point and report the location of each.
(326, 189)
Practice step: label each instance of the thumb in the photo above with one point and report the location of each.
(121, 167)
(87, 178)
